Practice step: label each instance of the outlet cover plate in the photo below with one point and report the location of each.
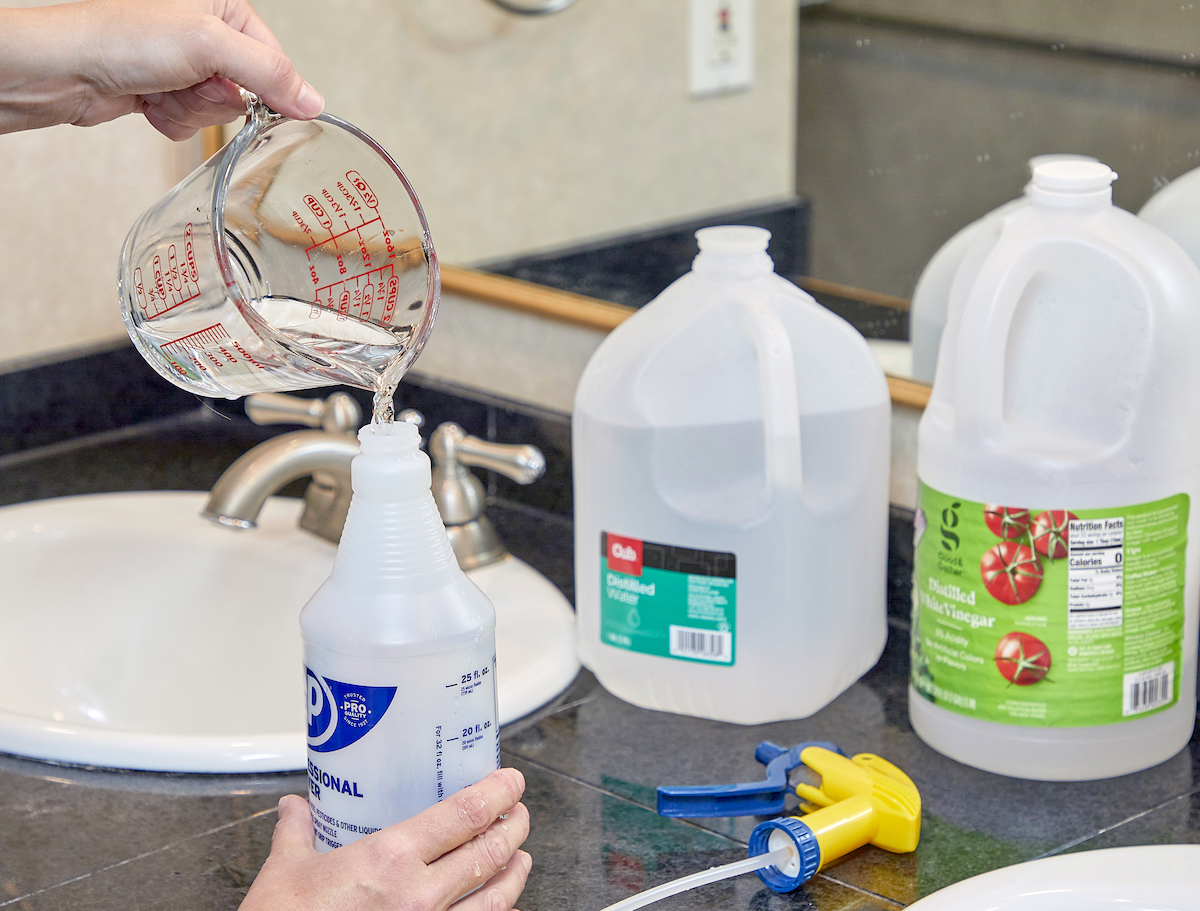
(720, 46)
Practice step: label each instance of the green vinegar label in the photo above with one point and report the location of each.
(674, 602)
(1048, 617)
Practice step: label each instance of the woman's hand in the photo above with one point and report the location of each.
(179, 62)
(427, 863)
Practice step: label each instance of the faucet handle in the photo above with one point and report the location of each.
(337, 414)
(460, 497)
(521, 462)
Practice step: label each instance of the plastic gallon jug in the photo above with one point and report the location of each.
(1057, 572)
(730, 449)
(400, 653)
(931, 297)
(1175, 209)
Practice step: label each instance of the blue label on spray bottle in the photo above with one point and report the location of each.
(340, 714)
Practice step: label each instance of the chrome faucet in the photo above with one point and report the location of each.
(239, 494)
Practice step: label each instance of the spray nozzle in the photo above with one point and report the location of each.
(861, 800)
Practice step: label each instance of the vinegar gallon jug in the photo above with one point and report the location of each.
(400, 652)
(1057, 570)
(730, 447)
(1175, 209)
(931, 297)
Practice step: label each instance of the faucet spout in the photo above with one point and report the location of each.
(238, 496)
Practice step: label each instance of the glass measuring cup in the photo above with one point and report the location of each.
(297, 256)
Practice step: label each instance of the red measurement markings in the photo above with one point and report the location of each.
(319, 211)
(214, 345)
(360, 293)
(172, 284)
(335, 205)
(368, 298)
(389, 306)
(327, 291)
(364, 189)
(350, 198)
(205, 338)
(358, 228)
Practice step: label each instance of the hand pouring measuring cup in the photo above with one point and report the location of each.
(297, 256)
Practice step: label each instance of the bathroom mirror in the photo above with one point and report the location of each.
(917, 117)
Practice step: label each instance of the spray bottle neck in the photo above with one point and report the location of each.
(393, 529)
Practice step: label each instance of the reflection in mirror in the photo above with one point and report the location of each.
(631, 270)
(919, 117)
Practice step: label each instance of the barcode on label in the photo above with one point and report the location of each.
(703, 644)
(1149, 689)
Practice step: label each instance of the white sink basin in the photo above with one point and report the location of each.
(134, 634)
(1134, 878)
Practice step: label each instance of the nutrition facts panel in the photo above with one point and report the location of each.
(1096, 572)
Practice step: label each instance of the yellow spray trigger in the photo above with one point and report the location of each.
(864, 800)
(861, 800)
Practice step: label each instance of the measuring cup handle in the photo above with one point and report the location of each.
(258, 112)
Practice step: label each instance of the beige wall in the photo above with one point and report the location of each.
(518, 133)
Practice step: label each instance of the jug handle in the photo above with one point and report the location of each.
(979, 351)
(781, 404)
(981, 348)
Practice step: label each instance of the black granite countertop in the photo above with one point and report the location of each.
(95, 840)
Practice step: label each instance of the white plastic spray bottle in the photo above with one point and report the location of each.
(400, 651)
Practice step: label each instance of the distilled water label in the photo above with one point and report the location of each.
(667, 600)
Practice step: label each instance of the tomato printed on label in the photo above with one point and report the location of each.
(1050, 532)
(1011, 572)
(1022, 659)
(1007, 522)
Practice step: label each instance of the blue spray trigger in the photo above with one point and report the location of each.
(755, 798)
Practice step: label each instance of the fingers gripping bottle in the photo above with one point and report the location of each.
(400, 652)
(1057, 564)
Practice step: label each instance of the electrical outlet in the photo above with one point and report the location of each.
(720, 46)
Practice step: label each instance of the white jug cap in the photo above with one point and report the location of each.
(738, 239)
(1056, 156)
(1072, 183)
